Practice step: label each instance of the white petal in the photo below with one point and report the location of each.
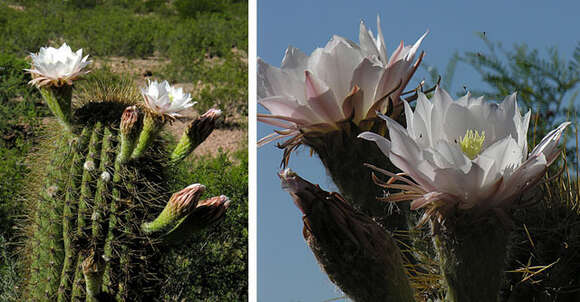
(335, 66)
(527, 175)
(383, 143)
(365, 76)
(367, 42)
(506, 153)
(273, 81)
(548, 145)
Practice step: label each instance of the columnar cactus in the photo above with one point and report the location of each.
(101, 219)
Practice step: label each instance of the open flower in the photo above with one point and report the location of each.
(57, 66)
(166, 100)
(341, 81)
(469, 153)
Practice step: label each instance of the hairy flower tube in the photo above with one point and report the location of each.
(53, 71)
(342, 81)
(57, 66)
(469, 153)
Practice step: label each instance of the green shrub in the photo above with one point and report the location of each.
(217, 269)
(19, 116)
(192, 8)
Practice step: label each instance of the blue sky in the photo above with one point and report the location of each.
(287, 270)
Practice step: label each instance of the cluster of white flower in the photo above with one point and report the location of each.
(61, 66)
(468, 152)
(341, 80)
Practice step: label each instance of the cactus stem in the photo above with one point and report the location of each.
(88, 176)
(58, 100)
(151, 127)
(113, 222)
(93, 271)
(69, 219)
(100, 207)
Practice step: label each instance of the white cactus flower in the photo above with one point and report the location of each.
(57, 66)
(469, 152)
(164, 99)
(343, 80)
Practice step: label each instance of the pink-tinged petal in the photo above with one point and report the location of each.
(409, 116)
(465, 186)
(416, 170)
(395, 76)
(322, 99)
(446, 155)
(294, 61)
(335, 64)
(290, 108)
(397, 54)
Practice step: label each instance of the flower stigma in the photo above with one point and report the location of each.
(471, 143)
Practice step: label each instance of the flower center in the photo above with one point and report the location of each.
(471, 143)
(171, 98)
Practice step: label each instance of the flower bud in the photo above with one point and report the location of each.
(180, 205)
(183, 201)
(210, 211)
(128, 120)
(197, 131)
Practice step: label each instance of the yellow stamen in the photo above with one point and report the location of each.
(471, 143)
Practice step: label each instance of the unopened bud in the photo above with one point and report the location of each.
(180, 205)
(201, 128)
(128, 120)
(183, 201)
(210, 211)
(197, 131)
(207, 213)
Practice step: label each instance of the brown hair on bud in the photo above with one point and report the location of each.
(184, 201)
(129, 119)
(199, 129)
(211, 210)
